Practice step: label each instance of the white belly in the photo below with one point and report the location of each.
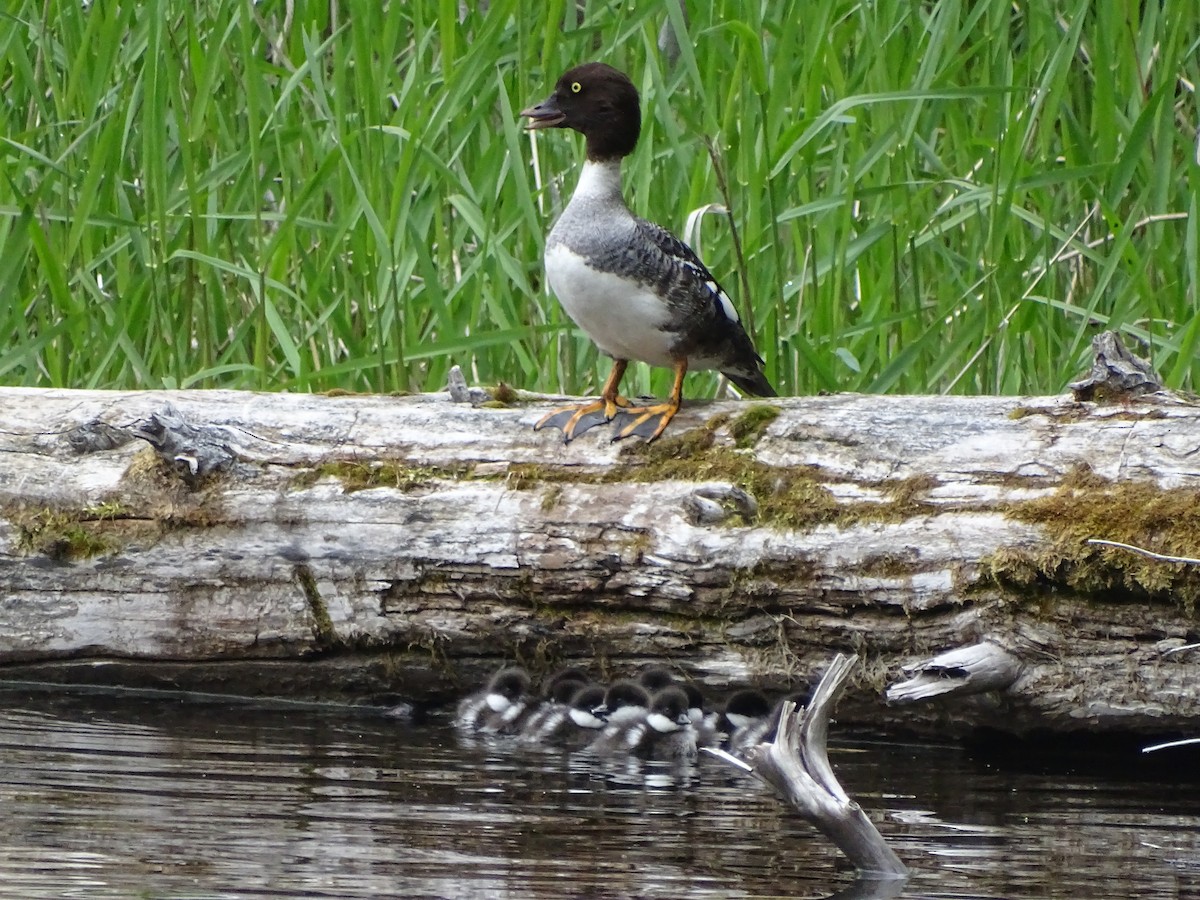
(623, 319)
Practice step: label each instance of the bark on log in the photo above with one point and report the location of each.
(405, 546)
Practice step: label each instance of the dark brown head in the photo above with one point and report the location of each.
(599, 102)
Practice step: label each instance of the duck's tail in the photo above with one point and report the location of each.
(750, 381)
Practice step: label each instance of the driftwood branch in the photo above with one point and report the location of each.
(796, 764)
(966, 670)
(1168, 745)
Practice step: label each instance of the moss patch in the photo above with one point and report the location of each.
(793, 497)
(69, 534)
(359, 476)
(787, 497)
(504, 394)
(322, 624)
(1089, 506)
(747, 428)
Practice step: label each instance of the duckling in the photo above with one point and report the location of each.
(555, 704)
(706, 724)
(625, 702)
(497, 708)
(666, 732)
(581, 724)
(742, 718)
(655, 677)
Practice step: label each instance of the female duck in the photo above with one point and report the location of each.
(634, 288)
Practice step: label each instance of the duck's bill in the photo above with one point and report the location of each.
(545, 115)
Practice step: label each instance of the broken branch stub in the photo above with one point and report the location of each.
(1116, 372)
(965, 670)
(796, 764)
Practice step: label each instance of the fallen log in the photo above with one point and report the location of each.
(369, 546)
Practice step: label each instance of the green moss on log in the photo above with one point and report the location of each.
(356, 475)
(68, 535)
(1086, 505)
(322, 624)
(748, 427)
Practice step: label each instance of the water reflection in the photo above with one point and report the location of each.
(165, 798)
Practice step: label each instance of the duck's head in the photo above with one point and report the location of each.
(586, 699)
(599, 102)
(507, 688)
(669, 710)
(623, 701)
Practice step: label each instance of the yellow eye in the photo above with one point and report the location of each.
(576, 87)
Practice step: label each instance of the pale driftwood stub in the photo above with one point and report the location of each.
(469, 557)
(796, 764)
(976, 669)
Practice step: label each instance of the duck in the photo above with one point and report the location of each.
(557, 694)
(497, 708)
(706, 723)
(625, 704)
(581, 724)
(634, 288)
(655, 678)
(765, 728)
(745, 719)
(666, 732)
(584, 704)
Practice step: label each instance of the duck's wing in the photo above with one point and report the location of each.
(718, 331)
(695, 274)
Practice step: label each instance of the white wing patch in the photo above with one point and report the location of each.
(724, 304)
(723, 301)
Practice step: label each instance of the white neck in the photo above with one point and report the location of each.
(599, 180)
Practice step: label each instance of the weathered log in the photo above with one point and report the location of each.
(370, 545)
(796, 765)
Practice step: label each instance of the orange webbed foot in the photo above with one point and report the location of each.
(573, 421)
(644, 421)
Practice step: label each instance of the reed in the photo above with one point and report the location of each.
(929, 197)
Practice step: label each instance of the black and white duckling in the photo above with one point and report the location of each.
(707, 724)
(556, 699)
(498, 708)
(581, 724)
(765, 729)
(584, 704)
(625, 703)
(666, 732)
(744, 719)
(655, 677)
(634, 288)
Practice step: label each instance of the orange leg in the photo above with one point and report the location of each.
(650, 421)
(575, 420)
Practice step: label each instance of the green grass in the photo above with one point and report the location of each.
(928, 197)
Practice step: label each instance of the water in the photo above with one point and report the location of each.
(166, 798)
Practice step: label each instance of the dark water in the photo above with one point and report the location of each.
(164, 798)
